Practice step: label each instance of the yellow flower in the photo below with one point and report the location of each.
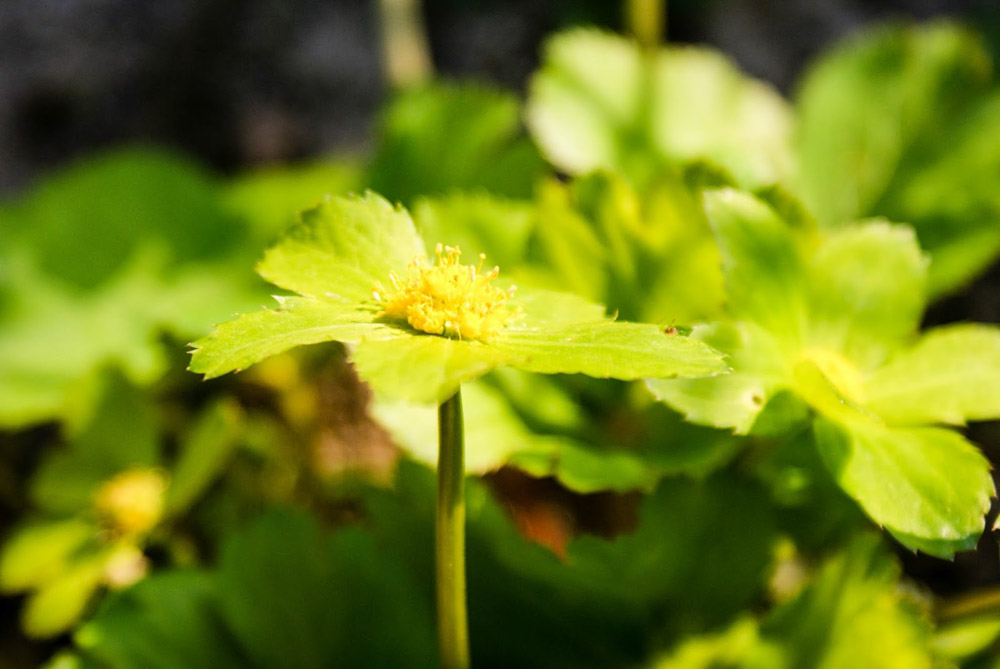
(131, 502)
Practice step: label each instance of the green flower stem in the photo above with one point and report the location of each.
(404, 43)
(646, 20)
(453, 627)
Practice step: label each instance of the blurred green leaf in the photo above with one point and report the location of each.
(739, 645)
(648, 254)
(85, 223)
(966, 638)
(123, 433)
(763, 267)
(334, 601)
(609, 603)
(448, 136)
(59, 604)
(167, 621)
(867, 296)
(270, 199)
(901, 121)
(597, 103)
(493, 434)
(852, 615)
(477, 223)
(816, 317)
(113, 252)
(35, 555)
(203, 453)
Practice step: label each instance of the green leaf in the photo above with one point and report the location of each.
(597, 103)
(736, 399)
(448, 136)
(45, 375)
(763, 268)
(269, 199)
(607, 603)
(341, 248)
(872, 100)
(203, 453)
(739, 645)
(166, 621)
(55, 607)
(867, 291)
(117, 250)
(924, 484)
(85, 223)
(902, 122)
(298, 321)
(477, 223)
(607, 349)
(122, 433)
(965, 638)
(853, 614)
(336, 599)
(37, 554)
(948, 376)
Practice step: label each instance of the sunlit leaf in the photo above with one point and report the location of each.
(948, 376)
(867, 291)
(341, 248)
(763, 268)
(926, 483)
(736, 399)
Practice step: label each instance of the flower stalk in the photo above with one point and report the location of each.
(453, 628)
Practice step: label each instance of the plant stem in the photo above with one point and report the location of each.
(646, 20)
(453, 628)
(404, 43)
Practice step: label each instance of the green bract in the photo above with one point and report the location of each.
(338, 252)
(835, 322)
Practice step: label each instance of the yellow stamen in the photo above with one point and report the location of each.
(448, 298)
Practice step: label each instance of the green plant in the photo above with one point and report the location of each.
(422, 337)
(735, 462)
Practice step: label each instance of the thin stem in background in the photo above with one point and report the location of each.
(646, 20)
(404, 43)
(453, 627)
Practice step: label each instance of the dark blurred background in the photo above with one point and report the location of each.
(244, 82)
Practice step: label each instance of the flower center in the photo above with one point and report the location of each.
(447, 298)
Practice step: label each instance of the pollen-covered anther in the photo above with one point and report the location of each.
(448, 298)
